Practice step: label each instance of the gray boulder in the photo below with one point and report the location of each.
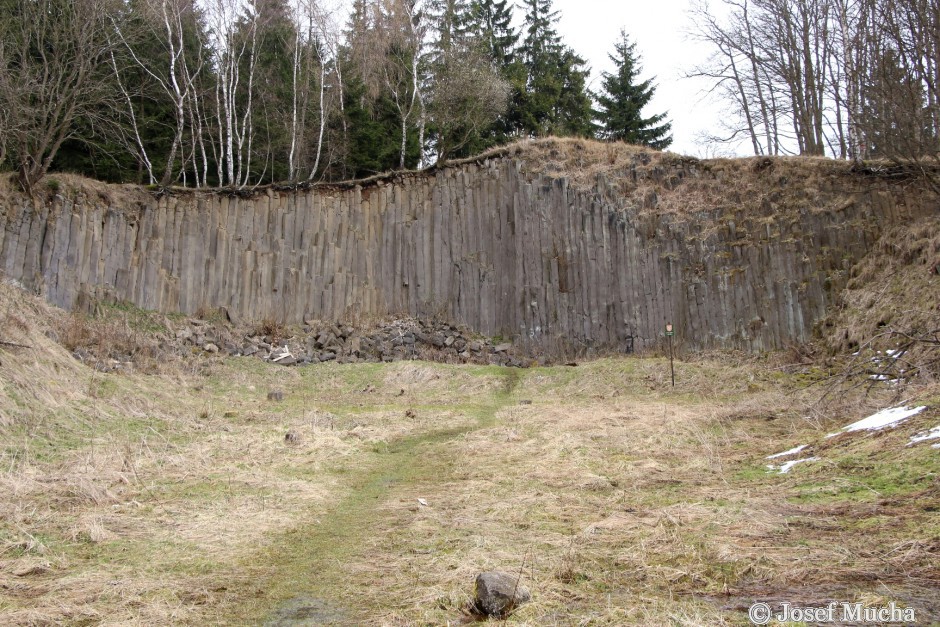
(498, 593)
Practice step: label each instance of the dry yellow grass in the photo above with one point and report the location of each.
(173, 498)
(74, 188)
(154, 475)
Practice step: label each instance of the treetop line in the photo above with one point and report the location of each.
(234, 93)
(238, 93)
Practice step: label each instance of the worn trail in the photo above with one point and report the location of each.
(308, 570)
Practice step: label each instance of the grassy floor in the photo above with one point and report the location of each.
(373, 494)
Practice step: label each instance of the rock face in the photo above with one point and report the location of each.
(498, 593)
(743, 254)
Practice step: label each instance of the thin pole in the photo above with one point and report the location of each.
(671, 367)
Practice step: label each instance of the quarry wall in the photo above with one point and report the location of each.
(744, 254)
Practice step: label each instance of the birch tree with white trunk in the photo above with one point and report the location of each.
(233, 26)
(168, 21)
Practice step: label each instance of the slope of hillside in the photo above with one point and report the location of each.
(892, 304)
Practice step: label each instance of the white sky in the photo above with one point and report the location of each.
(660, 31)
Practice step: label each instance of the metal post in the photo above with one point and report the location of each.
(672, 369)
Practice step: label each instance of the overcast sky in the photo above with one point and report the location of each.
(659, 30)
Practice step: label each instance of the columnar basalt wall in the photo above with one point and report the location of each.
(488, 244)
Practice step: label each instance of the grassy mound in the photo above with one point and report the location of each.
(886, 330)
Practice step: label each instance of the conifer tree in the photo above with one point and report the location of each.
(490, 21)
(555, 100)
(449, 22)
(620, 114)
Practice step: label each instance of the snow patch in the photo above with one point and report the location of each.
(792, 451)
(884, 418)
(785, 467)
(932, 434)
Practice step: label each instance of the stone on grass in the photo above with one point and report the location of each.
(498, 593)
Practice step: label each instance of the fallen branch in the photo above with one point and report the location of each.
(14, 344)
(914, 354)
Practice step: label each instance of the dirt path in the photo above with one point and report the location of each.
(314, 579)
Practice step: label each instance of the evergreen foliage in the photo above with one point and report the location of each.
(621, 103)
(555, 100)
(490, 22)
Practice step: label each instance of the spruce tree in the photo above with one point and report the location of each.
(555, 100)
(573, 110)
(449, 21)
(490, 23)
(621, 103)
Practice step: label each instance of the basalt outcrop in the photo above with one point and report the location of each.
(554, 242)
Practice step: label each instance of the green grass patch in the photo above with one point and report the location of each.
(341, 535)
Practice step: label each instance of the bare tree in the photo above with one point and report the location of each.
(54, 70)
(467, 96)
(403, 30)
(167, 21)
(322, 52)
(739, 74)
(5, 132)
(315, 48)
(135, 144)
(904, 81)
(233, 27)
(856, 78)
(849, 58)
